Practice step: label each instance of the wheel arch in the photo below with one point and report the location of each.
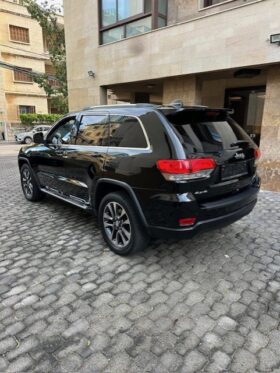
(106, 186)
(22, 161)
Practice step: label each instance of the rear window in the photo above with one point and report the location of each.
(126, 132)
(207, 132)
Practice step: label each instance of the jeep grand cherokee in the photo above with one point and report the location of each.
(146, 170)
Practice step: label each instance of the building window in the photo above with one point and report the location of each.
(19, 34)
(206, 3)
(22, 76)
(24, 109)
(120, 19)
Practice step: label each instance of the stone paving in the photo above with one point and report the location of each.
(210, 304)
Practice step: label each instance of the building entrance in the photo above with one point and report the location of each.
(248, 106)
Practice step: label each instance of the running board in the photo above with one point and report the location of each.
(66, 199)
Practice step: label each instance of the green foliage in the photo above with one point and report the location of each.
(35, 119)
(59, 104)
(46, 15)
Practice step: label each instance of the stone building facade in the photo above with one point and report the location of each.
(22, 44)
(204, 52)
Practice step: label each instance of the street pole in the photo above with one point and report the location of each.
(6, 131)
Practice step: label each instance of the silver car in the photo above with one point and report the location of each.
(27, 137)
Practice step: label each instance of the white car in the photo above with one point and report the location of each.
(27, 137)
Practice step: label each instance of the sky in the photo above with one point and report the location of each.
(57, 2)
(54, 2)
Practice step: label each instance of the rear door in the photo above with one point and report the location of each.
(212, 133)
(128, 151)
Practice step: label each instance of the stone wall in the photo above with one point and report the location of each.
(186, 88)
(182, 10)
(270, 135)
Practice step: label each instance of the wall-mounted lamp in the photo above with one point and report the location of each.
(91, 73)
(275, 39)
(247, 73)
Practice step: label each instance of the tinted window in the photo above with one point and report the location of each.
(93, 130)
(63, 133)
(207, 132)
(126, 132)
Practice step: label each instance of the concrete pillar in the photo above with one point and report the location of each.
(213, 93)
(185, 88)
(270, 133)
(3, 104)
(103, 96)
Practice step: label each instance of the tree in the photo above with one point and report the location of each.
(55, 86)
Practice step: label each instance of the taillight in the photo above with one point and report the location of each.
(188, 169)
(257, 154)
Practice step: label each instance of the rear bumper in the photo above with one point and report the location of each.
(203, 225)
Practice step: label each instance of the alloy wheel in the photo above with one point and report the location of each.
(117, 224)
(27, 183)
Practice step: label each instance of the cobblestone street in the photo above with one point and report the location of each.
(209, 304)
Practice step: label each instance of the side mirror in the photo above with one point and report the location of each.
(38, 138)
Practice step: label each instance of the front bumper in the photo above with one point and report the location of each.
(19, 141)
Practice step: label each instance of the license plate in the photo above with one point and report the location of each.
(231, 171)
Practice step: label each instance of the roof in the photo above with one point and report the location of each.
(140, 109)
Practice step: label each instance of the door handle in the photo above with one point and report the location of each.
(61, 152)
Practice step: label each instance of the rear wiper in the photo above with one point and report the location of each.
(239, 142)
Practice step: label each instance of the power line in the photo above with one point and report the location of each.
(24, 50)
(31, 73)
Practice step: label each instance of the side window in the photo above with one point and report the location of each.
(126, 132)
(38, 129)
(93, 130)
(63, 133)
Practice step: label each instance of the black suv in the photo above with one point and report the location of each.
(146, 170)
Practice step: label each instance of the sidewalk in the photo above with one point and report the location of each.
(9, 149)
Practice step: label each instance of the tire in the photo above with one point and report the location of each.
(28, 140)
(120, 224)
(29, 185)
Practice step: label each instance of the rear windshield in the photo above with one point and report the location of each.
(207, 132)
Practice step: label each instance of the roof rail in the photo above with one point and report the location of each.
(119, 106)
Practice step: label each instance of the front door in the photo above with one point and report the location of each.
(248, 106)
(85, 160)
(52, 157)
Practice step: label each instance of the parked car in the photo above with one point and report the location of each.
(27, 137)
(146, 170)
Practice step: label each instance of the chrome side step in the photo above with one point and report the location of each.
(66, 199)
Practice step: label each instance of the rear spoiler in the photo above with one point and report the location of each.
(195, 114)
(178, 106)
